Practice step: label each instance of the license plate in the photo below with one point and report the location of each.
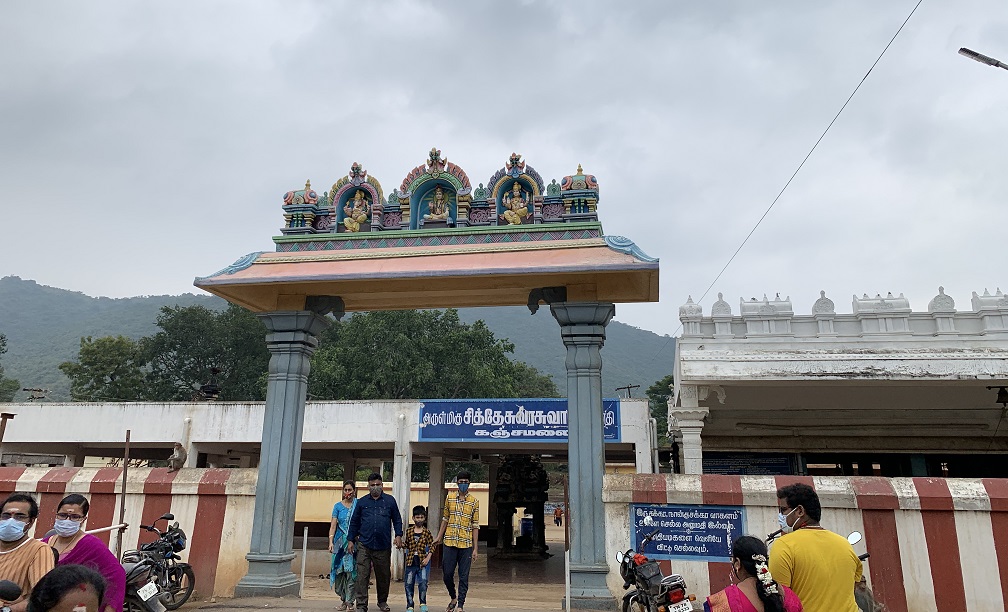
(682, 606)
(151, 589)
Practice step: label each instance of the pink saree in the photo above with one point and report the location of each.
(732, 599)
(92, 552)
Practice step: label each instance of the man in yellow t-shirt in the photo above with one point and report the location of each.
(460, 535)
(820, 566)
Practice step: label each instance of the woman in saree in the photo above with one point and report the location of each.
(75, 547)
(755, 590)
(343, 572)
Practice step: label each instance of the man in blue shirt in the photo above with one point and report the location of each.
(371, 525)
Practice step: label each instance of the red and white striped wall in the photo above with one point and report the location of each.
(935, 543)
(213, 506)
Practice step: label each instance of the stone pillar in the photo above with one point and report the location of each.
(402, 481)
(350, 470)
(435, 500)
(582, 328)
(436, 494)
(689, 418)
(493, 464)
(292, 339)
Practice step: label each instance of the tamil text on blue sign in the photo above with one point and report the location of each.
(687, 532)
(494, 420)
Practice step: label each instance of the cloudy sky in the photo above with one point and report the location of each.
(144, 144)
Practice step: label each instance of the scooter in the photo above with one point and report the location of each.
(652, 591)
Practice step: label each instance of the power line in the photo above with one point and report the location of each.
(798, 169)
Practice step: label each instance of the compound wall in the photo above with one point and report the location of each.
(213, 506)
(935, 544)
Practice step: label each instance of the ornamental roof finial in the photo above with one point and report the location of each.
(580, 171)
(307, 185)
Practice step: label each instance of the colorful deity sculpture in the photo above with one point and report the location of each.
(439, 206)
(515, 205)
(435, 163)
(356, 212)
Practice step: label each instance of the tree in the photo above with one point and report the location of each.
(194, 340)
(533, 383)
(8, 386)
(659, 395)
(109, 369)
(415, 354)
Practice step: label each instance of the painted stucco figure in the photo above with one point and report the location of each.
(438, 207)
(356, 212)
(515, 205)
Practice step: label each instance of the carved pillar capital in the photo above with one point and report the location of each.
(689, 423)
(688, 418)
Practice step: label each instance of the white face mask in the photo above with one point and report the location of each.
(782, 521)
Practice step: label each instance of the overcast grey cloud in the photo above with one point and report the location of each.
(143, 144)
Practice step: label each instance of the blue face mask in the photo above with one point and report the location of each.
(463, 487)
(11, 530)
(66, 528)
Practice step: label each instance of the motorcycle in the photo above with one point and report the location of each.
(142, 590)
(652, 591)
(174, 578)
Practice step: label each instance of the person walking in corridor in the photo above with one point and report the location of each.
(373, 520)
(459, 533)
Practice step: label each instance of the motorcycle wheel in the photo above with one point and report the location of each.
(180, 584)
(633, 604)
(133, 605)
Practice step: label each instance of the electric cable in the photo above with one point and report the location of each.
(797, 170)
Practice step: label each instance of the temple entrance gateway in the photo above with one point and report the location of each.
(554, 253)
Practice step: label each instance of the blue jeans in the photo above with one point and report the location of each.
(461, 558)
(415, 574)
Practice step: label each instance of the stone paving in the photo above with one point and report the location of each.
(493, 585)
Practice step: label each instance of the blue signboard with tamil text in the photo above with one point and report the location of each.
(506, 420)
(686, 532)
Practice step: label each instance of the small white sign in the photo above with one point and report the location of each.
(148, 590)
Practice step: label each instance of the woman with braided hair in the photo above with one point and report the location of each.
(754, 589)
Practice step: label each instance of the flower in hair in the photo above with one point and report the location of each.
(763, 574)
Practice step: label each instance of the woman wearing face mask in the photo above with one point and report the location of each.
(753, 588)
(23, 559)
(343, 572)
(78, 548)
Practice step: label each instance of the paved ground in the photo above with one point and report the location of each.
(530, 586)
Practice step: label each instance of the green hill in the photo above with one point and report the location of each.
(44, 325)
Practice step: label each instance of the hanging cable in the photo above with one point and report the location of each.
(798, 169)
